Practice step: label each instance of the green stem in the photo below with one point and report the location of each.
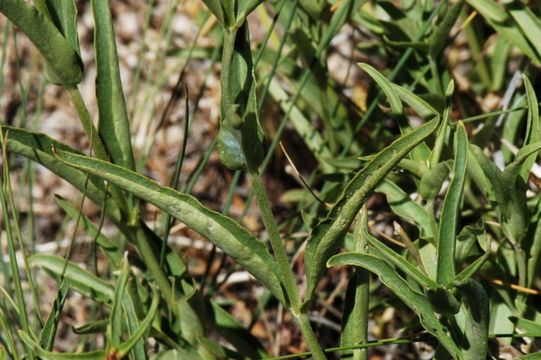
(228, 51)
(308, 334)
(362, 291)
(276, 243)
(153, 265)
(288, 278)
(95, 141)
(88, 127)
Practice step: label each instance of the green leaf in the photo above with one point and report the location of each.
(475, 342)
(228, 235)
(514, 207)
(472, 268)
(528, 22)
(48, 332)
(532, 130)
(46, 355)
(314, 8)
(403, 206)
(534, 254)
(113, 126)
(79, 279)
(388, 255)
(144, 326)
(433, 179)
(244, 8)
(534, 356)
(478, 175)
(418, 303)
(240, 138)
(421, 107)
(215, 6)
(451, 210)
(134, 310)
(327, 234)
(66, 65)
(234, 333)
(392, 96)
(357, 298)
(64, 15)
(116, 311)
(505, 25)
(531, 327)
(39, 148)
(94, 327)
(441, 33)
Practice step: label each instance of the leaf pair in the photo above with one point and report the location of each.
(327, 235)
(231, 13)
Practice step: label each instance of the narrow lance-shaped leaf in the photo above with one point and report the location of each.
(115, 323)
(418, 303)
(528, 22)
(144, 326)
(215, 7)
(46, 355)
(388, 255)
(328, 233)
(228, 235)
(48, 332)
(64, 15)
(451, 210)
(403, 206)
(38, 147)
(514, 209)
(441, 34)
(114, 127)
(66, 65)
(80, 279)
(424, 109)
(357, 298)
(532, 130)
(388, 89)
(134, 311)
(505, 25)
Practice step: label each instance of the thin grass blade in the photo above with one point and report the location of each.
(441, 33)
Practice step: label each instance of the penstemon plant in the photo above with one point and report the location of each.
(442, 276)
